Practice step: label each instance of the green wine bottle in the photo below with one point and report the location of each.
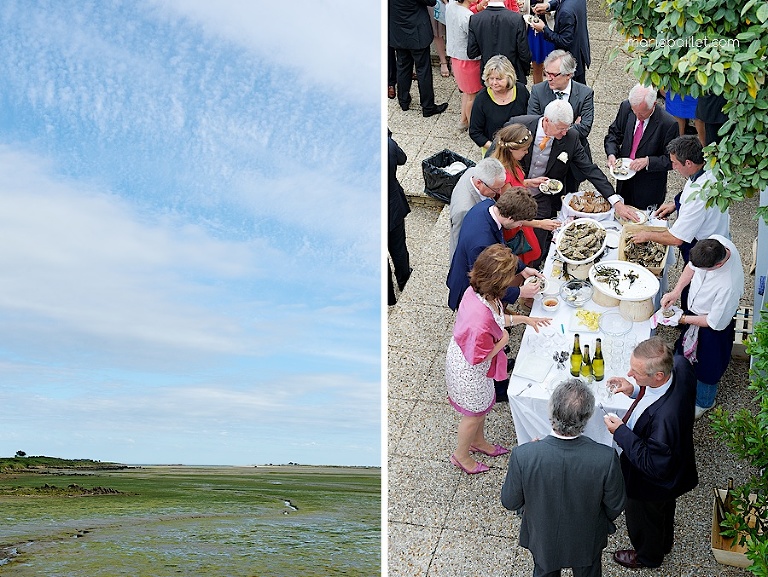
(586, 365)
(598, 363)
(576, 357)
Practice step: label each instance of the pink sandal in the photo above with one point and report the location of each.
(479, 467)
(498, 451)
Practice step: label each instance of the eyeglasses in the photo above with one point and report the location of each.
(495, 190)
(554, 74)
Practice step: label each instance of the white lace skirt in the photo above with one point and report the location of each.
(470, 391)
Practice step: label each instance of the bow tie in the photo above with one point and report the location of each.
(559, 95)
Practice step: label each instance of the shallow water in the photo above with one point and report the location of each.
(216, 523)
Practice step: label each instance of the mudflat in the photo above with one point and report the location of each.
(174, 519)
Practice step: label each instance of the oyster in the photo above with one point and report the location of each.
(620, 168)
(647, 254)
(581, 241)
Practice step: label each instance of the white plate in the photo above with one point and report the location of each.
(546, 190)
(645, 287)
(528, 18)
(612, 238)
(625, 162)
(641, 214)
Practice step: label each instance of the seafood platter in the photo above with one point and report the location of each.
(581, 241)
(621, 170)
(650, 255)
(632, 285)
(587, 204)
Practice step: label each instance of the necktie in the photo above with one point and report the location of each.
(543, 143)
(625, 418)
(559, 95)
(636, 138)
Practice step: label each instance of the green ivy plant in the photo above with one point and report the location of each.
(745, 432)
(709, 47)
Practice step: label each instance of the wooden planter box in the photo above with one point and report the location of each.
(724, 549)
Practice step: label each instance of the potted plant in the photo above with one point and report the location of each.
(745, 432)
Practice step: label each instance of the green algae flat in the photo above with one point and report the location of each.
(195, 521)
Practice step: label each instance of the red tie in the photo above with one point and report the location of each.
(625, 418)
(636, 138)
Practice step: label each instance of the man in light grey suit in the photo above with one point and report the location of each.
(559, 67)
(484, 180)
(570, 489)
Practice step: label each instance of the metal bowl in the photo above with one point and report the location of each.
(576, 292)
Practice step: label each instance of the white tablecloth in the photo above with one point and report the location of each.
(529, 404)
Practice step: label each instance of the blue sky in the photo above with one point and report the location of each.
(190, 231)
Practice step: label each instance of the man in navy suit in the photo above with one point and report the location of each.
(482, 227)
(642, 131)
(570, 31)
(656, 437)
(559, 68)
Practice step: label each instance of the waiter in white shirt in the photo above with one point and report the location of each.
(694, 221)
(716, 278)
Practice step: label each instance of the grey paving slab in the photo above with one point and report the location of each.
(411, 549)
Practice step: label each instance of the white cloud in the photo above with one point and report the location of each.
(335, 44)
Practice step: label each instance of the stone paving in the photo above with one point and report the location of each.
(441, 522)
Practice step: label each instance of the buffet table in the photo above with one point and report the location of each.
(536, 373)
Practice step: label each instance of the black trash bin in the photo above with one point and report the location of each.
(437, 182)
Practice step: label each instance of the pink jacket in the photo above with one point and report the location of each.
(476, 332)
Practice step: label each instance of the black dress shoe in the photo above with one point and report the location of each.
(405, 105)
(627, 558)
(401, 284)
(437, 109)
(391, 92)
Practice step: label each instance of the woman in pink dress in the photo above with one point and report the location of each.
(476, 355)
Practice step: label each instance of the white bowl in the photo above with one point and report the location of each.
(543, 283)
(573, 223)
(550, 308)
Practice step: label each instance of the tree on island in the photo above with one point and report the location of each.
(21, 454)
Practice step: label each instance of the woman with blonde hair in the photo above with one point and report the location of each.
(512, 144)
(503, 98)
(476, 355)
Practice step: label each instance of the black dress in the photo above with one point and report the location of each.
(487, 116)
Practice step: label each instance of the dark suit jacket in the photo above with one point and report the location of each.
(581, 99)
(478, 231)
(497, 30)
(577, 156)
(571, 31)
(572, 490)
(398, 203)
(660, 130)
(409, 25)
(658, 459)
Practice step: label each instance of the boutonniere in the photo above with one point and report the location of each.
(563, 157)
